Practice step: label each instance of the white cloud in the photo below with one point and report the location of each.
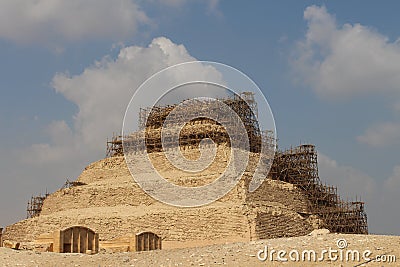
(343, 60)
(393, 182)
(172, 3)
(380, 196)
(350, 181)
(380, 135)
(388, 207)
(213, 8)
(350, 60)
(212, 5)
(396, 106)
(380, 203)
(101, 93)
(52, 21)
(57, 149)
(56, 22)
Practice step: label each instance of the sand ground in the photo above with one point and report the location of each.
(233, 254)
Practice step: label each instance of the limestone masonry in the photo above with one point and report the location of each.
(106, 200)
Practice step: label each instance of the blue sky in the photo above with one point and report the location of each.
(330, 71)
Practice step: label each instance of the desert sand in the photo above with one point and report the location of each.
(232, 254)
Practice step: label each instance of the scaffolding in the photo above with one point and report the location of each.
(244, 105)
(114, 146)
(35, 205)
(299, 167)
(69, 184)
(346, 217)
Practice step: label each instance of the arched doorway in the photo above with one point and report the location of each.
(147, 241)
(79, 239)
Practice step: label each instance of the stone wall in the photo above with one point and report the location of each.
(213, 222)
(113, 205)
(281, 193)
(113, 168)
(96, 195)
(280, 223)
(208, 225)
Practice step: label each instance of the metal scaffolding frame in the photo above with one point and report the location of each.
(244, 105)
(35, 205)
(298, 165)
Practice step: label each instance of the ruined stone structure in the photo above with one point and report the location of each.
(75, 239)
(105, 199)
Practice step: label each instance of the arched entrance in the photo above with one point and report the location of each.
(79, 239)
(147, 241)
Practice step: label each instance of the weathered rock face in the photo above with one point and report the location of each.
(112, 204)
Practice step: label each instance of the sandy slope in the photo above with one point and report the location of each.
(234, 254)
